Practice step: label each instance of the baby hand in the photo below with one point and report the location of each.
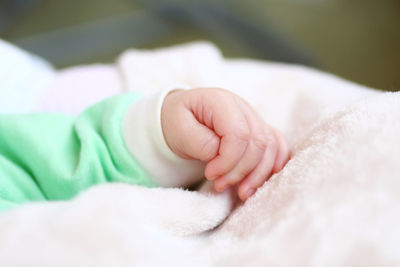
(221, 129)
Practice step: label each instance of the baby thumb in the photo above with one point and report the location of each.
(199, 141)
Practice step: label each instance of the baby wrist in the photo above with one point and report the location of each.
(144, 139)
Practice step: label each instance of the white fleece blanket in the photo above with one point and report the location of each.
(334, 204)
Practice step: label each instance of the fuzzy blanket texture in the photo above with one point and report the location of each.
(336, 202)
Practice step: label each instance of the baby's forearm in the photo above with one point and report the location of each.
(55, 156)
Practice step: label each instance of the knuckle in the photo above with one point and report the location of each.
(243, 134)
(215, 92)
(242, 173)
(272, 143)
(260, 142)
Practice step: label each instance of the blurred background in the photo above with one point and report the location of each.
(356, 39)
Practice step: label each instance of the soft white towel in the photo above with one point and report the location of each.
(22, 79)
(334, 204)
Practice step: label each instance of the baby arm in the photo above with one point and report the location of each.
(123, 139)
(222, 130)
(52, 156)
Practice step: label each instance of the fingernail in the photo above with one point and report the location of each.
(250, 192)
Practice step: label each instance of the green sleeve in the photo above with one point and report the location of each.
(48, 156)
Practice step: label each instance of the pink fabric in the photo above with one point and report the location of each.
(76, 88)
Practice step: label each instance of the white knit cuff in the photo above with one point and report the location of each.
(144, 138)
